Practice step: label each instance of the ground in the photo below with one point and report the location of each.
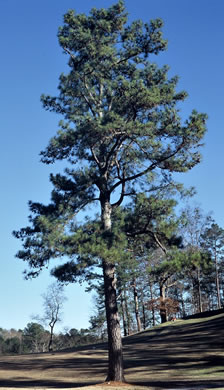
(179, 355)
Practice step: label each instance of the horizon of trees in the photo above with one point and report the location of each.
(34, 338)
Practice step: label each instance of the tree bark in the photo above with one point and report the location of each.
(123, 314)
(138, 320)
(153, 309)
(115, 354)
(199, 291)
(50, 344)
(143, 313)
(127, 312)
(163, 313)
(182, 304)
(217, 283)
(115, 369)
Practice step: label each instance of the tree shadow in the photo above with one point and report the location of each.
(52, 371)
(19, 383)
(181, 351)
(183, 384)
(177, 356)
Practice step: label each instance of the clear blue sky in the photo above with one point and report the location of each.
(31, 61)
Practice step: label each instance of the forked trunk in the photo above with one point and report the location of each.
(115, 369)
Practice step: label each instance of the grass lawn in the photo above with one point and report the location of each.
(186, 354)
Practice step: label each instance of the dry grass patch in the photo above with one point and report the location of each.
(181, 355)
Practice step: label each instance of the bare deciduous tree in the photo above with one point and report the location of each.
(53, 301)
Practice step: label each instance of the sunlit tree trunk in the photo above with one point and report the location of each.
(123, 315)
(143, 310)
(127, 312)
(137, 316)
(217, 283)
(153, 309)
(199, 291)
(163, 313)
(115, 369)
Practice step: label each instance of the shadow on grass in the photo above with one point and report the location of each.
(178, 353)
(51, 372)
(183, 385)
(178, 356)
(42, 383)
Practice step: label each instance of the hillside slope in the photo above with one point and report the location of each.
(187, 354)
(179, 354)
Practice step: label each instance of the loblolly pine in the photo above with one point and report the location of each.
(120, 124)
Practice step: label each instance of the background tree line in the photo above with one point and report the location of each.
(172, 266)
(34, 338)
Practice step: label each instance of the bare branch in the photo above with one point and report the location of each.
(95, 157)
(89, 104)
(159, 243)
(117, 145)
(90, 93)
(118, 203)
(150, 167)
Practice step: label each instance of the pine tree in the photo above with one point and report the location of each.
(194, 224)
(121, 124)
(213, 241)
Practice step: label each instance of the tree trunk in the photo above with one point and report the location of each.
(138, 320)
(50, 344)
(217, 283)
(127, 312)
(182, 304)
(199, 291)
(115, 369)
(123, 314)
(115, 354)
(143, 313)
(153, 309)
(163, 313)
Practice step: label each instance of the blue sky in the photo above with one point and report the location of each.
(31, 63)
